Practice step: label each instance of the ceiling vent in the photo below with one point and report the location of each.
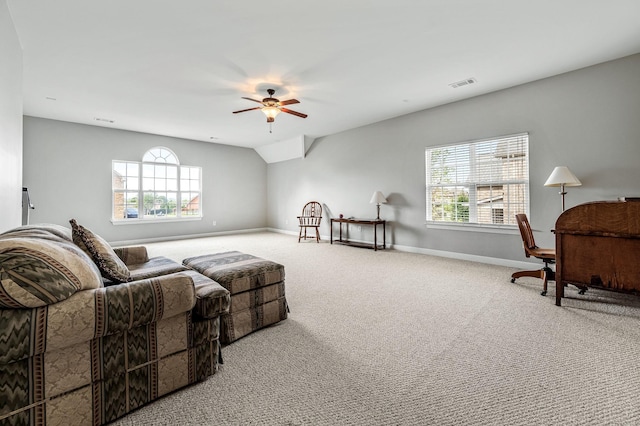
(465, 82)
(105, 120)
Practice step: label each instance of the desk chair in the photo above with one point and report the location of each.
(311, 217)
(531, 249)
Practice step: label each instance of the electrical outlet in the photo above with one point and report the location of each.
(286, 221)
(214, 223)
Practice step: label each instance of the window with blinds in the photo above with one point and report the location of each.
(484, 182)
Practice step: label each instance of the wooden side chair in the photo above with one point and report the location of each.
(311, 217)
(531, 249)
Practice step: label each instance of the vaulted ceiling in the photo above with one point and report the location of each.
(179, 68)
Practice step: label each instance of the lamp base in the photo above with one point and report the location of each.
(562, 194)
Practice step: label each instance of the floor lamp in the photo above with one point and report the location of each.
(561, 176)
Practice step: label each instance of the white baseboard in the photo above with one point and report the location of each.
(185, 237)
(441, 253)
(283, 231)
(470, 257)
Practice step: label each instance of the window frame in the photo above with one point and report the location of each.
(471, 185)
(167, 179)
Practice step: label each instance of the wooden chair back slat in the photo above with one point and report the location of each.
(526, 233)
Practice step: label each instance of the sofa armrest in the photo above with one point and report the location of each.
(93, 313)
(132, 255)
(128, 305)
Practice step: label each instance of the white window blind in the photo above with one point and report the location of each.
(483, 182)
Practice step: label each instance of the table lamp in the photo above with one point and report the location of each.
(378, 199)
(561, 176)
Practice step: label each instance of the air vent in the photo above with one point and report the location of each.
(105, 120)
(466, 82)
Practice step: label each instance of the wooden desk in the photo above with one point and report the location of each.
(360, 222)
(597, 245)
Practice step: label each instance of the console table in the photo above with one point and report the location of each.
(360, 222)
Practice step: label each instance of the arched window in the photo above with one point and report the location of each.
(160, 154)
(156, 188)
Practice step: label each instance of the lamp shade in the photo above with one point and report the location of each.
(270, 112)
(378, 198)
(562, 176)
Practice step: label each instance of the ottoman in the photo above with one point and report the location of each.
(256, 286)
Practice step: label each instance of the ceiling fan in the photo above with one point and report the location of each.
(272, 106)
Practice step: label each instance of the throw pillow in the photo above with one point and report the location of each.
(110, 265)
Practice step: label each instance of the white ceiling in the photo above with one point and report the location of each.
(179, 68)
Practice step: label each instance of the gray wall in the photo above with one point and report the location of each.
(67, 168)
(10, 123)
(588, 120)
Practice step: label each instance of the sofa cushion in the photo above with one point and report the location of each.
(155, 267)
(110, 265)
(37, 272)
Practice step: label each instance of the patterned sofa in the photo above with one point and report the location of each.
(88, 334)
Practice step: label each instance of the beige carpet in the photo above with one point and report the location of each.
(392, 338)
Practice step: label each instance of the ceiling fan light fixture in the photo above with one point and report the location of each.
(271, 112)
(271, 107)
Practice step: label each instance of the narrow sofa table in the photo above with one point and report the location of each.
(361, 222)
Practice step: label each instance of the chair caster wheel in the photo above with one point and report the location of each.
(513, 280)
(543, 293)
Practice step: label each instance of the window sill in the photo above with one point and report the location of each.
(474, 227)
(147, 221)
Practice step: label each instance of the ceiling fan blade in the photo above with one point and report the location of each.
(289, 102)
(299, 114)
(244, 110)
(254, 100)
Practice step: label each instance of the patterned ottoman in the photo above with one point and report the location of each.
(256, 286)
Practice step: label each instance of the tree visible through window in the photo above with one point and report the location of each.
(479, 182)
(156, 188)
